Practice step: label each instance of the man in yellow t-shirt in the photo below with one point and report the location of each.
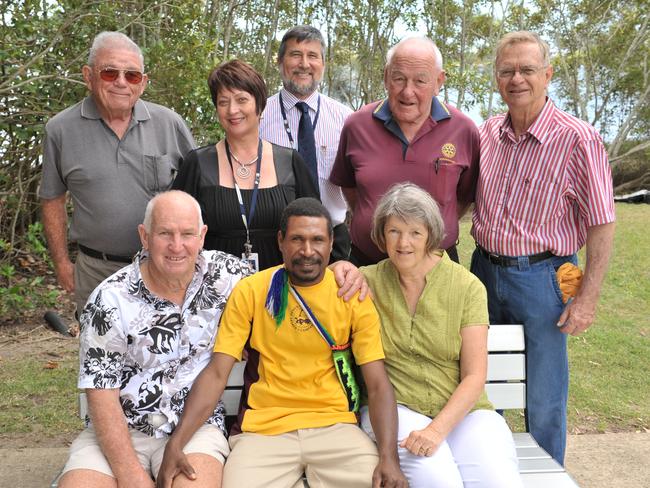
(295, 416)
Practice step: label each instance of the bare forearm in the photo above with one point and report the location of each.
(55, 225)
(600, 241)
(459, 404)
(383, 414)
(203, 397)
(112, 432)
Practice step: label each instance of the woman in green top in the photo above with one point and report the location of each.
(434, 330)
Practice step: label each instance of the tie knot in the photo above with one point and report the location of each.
(303, 107)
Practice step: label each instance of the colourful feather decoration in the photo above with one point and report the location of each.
(278, 296)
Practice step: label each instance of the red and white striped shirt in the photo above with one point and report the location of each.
(541, 192)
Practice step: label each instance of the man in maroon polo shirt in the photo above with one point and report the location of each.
(409, 136)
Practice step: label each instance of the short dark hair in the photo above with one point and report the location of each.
(301, 33)
(305, 207)
(237, 74)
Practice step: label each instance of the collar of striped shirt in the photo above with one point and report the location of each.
(539, 129)
(289, 100)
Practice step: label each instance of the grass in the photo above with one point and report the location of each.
(38, 402)
(610, 364)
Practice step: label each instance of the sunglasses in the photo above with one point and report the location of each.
(111, 74)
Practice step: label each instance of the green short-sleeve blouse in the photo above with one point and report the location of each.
(423, 350)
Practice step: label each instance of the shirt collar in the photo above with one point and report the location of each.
(289, 100)
(439, 111)
(135, 276)
(541, 127)
(89, 110)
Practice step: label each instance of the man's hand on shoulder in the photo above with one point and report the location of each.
(388, 475)
(174, 463)
(350, 280)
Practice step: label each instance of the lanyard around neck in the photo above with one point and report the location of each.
(246, 220)
(286, 121)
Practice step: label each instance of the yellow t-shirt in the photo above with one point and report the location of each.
(292, 381)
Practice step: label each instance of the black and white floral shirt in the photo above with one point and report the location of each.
(150, 348)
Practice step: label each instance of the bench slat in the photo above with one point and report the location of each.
(506, 338)
(540, 465)
(506, 367)
(505, 396)
(548, 480)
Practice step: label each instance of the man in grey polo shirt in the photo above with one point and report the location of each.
(113, 152)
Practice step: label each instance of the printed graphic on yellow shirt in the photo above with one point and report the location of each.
(299, 320)
(448, 150)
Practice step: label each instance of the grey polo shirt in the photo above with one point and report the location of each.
(111, 179)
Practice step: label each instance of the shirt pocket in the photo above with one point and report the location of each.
(534, 201)
(158, 172)
(326, 157)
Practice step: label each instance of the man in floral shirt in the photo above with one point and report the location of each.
(147, 332)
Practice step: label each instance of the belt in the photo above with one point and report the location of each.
(510, 261)
(101, 255)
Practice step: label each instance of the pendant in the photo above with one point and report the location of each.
(243, 172)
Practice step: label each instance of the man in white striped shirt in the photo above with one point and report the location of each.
(544, 191)
(301, 64)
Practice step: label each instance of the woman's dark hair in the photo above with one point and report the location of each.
(238, 75)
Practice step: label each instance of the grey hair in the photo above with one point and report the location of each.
(519, 37)
(424, 40)
(408, 202)
(301, 33)
(148, 213)
(108, 40)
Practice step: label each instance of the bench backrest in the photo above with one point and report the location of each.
(506, 377)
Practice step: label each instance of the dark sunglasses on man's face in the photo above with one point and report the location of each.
(111, 74)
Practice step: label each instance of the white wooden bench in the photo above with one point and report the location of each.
(506, 389)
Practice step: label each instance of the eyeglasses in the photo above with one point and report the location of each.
(111, 74)
(525, 71)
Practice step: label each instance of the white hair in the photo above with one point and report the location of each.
(148, 213)
(113, 40)
(423, 40)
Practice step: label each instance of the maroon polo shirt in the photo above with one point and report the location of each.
(374, 154)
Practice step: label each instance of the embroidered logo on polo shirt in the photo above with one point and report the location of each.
(448, 150)
(299, 319)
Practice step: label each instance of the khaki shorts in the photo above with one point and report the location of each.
(85, 452)
(340, 455)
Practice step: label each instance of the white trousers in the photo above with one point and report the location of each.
(478, 453)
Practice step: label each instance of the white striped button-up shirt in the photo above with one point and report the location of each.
(543, 191)
(326, 134)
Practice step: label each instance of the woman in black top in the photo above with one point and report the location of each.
(266, 177)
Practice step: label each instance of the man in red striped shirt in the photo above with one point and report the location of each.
(544, 191)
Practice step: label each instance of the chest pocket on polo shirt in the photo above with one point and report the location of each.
(534, 200)
(158, 172)
(444, 176)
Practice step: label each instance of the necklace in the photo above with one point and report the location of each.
(243, 171)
